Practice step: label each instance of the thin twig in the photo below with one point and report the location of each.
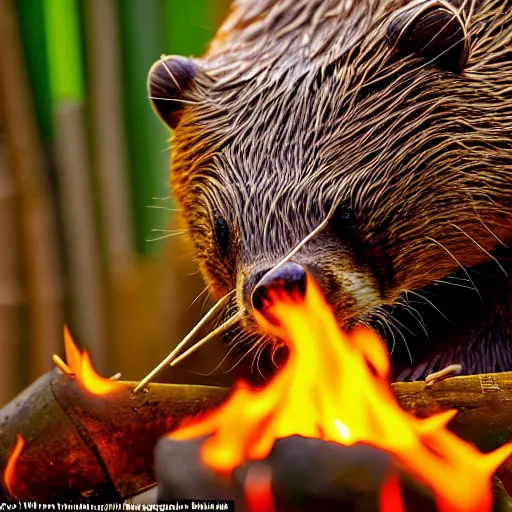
(185, 340)
(62, 366)
(226, 325)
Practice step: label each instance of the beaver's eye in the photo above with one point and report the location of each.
(344, 220)
(222, 235)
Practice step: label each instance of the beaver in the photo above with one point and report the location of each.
(390, 121)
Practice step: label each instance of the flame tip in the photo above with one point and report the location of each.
(81, 365)
(11, 464)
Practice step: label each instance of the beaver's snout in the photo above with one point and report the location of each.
(289, 278)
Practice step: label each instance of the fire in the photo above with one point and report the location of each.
(258, 489)
(11, 464)
(85, 373)
(335, 386)
(391, 495)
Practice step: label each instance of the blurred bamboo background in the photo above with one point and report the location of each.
(85, 209)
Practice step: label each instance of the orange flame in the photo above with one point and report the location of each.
(85, 373)
(11, 464)
(335, 387)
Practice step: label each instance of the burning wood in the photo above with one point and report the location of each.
(84, 442)
(335, 387)
(80, 445)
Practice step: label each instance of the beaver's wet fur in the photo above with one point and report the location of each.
(399, 112)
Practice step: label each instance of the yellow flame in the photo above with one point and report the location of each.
(335, 386)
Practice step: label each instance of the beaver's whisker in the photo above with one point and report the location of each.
(247, 353)
(485, 274)
(172, 231)
(233, 345)
(169, 234)
(222, 328)
(491, 232)
(393, 343)
(257, 358)
(176, 100)
(166, 198)
(407, 304)
(439, 244)
(158, 238)
(384, 320)
(442, 281)
(275, 348)
(185, 340)
(258, 348)
(444, 52)
(392, 321)
(156, 207)
(391, 324)
(455, 14)
(379, 316)
(240, 339)
(418, 294)
(483, 249)
(455, 278)
(258, 361)
(415, 314)
(396, 321)
(201, 294)
(210, 373)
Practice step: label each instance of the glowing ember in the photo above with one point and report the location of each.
(335, 387)
(84, 372)
(391, 496)
(11, 464)
(258, 489)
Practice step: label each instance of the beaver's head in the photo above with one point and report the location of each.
(396, 117)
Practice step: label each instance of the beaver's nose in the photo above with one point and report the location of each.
(288, 277)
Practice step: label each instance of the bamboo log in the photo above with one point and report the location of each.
(92, 448)
(484, 403)
(101, 447)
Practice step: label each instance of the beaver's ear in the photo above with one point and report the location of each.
(434, 30)
(170, 82)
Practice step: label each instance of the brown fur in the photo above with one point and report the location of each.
(300, 104)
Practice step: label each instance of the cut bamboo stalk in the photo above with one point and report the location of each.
(39, 259)
(110, 162)
(80, 230)
(74, 175)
